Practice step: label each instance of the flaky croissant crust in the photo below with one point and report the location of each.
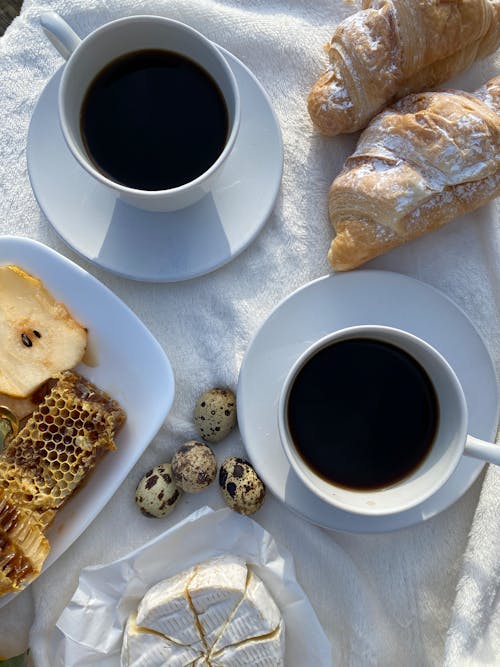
(418, 165)
(394, 47)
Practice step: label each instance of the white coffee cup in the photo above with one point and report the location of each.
(87, 57)
(450, 442)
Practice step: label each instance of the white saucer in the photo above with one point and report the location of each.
(334, 302)
(160, 247)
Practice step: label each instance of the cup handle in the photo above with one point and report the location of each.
(60, 34)
(479, 449)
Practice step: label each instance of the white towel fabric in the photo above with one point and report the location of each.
(425, 595)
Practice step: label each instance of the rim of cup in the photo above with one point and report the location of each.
(98, 34)
(375, 502)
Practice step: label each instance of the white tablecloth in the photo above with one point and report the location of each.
(425, 595)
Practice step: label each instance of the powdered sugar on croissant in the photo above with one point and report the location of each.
(431, 157)
(394, 47)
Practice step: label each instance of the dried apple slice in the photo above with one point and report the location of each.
(38, 335)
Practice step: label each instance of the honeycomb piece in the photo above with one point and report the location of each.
(58, 446)
(23, 547)
(22, 493)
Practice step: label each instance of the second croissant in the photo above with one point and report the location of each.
(428, 159)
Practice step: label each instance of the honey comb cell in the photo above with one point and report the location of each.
(59, 445)
(43, 465)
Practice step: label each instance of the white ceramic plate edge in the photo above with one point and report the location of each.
(48, 265)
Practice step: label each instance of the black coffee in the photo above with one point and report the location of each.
(363, 413)
(153, 120)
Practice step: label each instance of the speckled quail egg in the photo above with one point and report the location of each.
(194, 466)
(157, 494)
(215, 414)
(242, 489)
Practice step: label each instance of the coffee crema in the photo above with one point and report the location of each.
(153, 120)
(362, 414)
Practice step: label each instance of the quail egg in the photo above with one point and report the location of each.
(156, 494)
(194, 466)
(215, 414)
(242, 489)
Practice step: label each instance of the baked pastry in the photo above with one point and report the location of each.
(392, 48)
(429, 158)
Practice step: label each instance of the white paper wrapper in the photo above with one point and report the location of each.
(89, 631)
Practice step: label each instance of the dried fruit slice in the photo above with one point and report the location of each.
(39, 336)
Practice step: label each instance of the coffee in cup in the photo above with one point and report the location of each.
(362, 413)
(141, 123)
(148, 106)
(373, 420)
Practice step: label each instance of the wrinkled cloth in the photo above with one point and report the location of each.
(425, 595)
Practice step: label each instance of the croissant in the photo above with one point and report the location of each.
(392, 48)
(429, 158)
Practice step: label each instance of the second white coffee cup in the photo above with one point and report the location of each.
(449, 439)
(87, 57)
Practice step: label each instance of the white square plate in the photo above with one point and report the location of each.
(115, 336)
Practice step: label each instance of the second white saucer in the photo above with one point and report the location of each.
(343, 300)
(160, 247)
